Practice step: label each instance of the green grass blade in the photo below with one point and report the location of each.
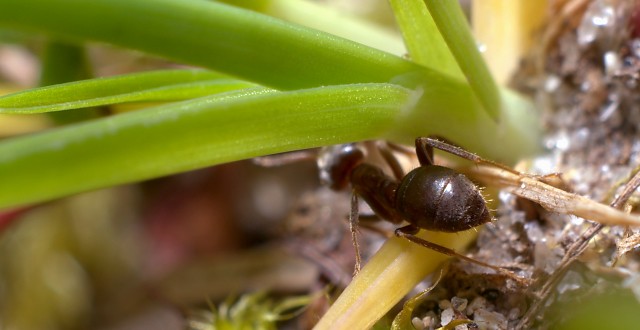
(242, 43)
(166, 85)
(191, 134)
(453, 26)
(422, 38)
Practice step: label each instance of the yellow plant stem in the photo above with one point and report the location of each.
(506, 29)
(391, 273)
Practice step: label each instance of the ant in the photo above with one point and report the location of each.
(430, 197)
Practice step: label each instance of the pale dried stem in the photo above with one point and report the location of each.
(551, 198)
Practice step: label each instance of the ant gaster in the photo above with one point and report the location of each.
(429, 197)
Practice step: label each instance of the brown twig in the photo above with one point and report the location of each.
(534, 188)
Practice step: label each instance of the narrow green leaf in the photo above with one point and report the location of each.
(426, 45)
(166, 85)
(453, 26)
(242, 43)
(191, 134)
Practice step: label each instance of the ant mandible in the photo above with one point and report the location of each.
(430, 197)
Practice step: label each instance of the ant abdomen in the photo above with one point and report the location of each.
(440, 199)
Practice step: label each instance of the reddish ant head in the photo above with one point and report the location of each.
(336, 163)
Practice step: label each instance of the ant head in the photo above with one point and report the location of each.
(336, 162)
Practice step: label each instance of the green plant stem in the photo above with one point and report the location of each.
(63, 62)
(456, 115)
(424, 41)
(453, 26)
(188, 135)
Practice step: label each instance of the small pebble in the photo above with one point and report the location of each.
(447, 316)
(459, 303)
(417, 323)
(476, 303)
(490, 320)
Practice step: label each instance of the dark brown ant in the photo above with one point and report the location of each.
(429, 197)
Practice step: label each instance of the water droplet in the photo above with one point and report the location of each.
(552, 83)
(562, 142)
(599, 16)
(612, 63)
(482, 47)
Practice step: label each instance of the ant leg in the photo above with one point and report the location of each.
(409, 232)
(392, 161)
(424, 152)
(353, 227)
(430, 143)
